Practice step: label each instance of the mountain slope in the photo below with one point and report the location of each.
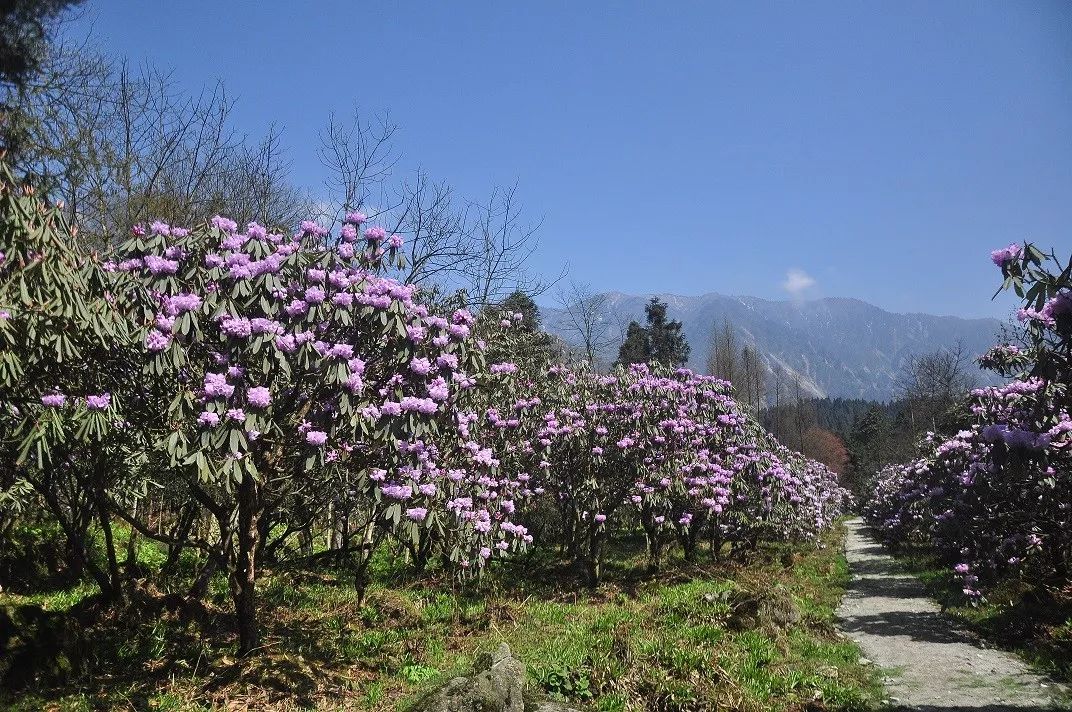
(835, 346)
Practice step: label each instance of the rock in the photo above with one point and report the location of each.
(549, 707)
(498, 688)
(772, 610)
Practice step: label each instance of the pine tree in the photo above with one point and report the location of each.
(636, 348)
(661, 341)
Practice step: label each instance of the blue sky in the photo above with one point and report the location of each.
(879, 150)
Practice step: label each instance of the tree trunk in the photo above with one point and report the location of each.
(688, 543)
(114, 591)
(244, 578)
(594, 562)
(655, 548)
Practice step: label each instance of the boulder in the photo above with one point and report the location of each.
(547, 706)
(498, 688)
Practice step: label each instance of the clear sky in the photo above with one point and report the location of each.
(869, 150)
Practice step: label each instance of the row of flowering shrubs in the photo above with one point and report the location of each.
(995, 499)
(232, 390)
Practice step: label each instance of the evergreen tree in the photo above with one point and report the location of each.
(528, 342)
(668, 344)
(521, 303)
(26, 27)
(661, 341)
(637, 347)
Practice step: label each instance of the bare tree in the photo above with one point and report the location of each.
(752, 390)
(359, 157)
(503, 244)
(722, 360)
(931, 384)
(439, 244)
(449, 243)
(586, 319)
(121, 145)
(260, 186)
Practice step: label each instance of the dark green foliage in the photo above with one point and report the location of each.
(661, 341)
(521, 303)
(637, 347)
(24, 32)
(522, 341)
(875, 433)
(26, 29)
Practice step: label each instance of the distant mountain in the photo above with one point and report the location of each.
(837, 347)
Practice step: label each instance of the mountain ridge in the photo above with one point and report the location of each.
(836, 346)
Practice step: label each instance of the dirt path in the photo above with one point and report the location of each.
(929, 664)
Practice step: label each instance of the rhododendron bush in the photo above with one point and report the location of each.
(996, 499)
(668, 451)
(260, 397)
(289, 356)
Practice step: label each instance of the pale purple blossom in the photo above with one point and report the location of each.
(259, 397)
(54, 400)
(156, 341)
(1006, 254)
(99, 402)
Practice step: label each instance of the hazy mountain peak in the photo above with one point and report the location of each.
(837, 346)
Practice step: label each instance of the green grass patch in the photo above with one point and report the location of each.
(754, 635)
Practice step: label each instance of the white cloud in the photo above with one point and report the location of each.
(797, 281)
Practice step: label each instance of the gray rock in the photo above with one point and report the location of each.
(549, 707)
(498, 688)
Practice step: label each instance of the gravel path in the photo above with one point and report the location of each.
(928, 662)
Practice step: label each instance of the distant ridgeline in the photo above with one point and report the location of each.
(835, 347)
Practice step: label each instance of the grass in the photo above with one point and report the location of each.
(749, 635)
(1029, 620)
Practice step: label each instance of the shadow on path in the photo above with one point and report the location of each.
(930, 663)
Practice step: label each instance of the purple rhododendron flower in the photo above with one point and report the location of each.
(54, 400)
(296, 307)
(216, 385)
(155, 341)
(99, 402)
(236, 326)
(316, 437)
(224, 224)
(420, 366)
(181, 303)
(260, 396)
(159, 265)
(1005, 255)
